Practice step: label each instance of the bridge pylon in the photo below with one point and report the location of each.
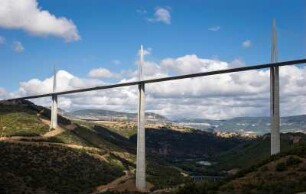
(274, 95)
(141, 152)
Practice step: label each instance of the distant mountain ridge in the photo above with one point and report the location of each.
(255, 125)
(258, 125)
(101, 114)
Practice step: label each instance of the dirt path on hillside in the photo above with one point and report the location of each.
(167, 190)
(123, 183)
(56, 131)
(23, 140)
(114, 183)
(60, 129)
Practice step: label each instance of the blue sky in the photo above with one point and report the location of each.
(96, 42)
(114, 30)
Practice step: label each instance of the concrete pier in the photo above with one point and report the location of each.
(274, 95)
(275, 117)
(141, 152)
(54, 105)
(54, 112)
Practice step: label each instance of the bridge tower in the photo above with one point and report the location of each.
(141, 152)
(274, 95)
(54, 105)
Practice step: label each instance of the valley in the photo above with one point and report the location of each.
(94, 156)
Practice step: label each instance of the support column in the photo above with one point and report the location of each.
(275, 118)
(141, 152)
(54, 112)
(274, 96)
(54, 105)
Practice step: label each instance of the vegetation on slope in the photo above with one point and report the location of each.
(18, 120)
(282, 173)
(242, 156)
(124, 128)
(33, 168)
(112, 153)
(195, 144)
(85, 135)
(116, 149)
(163, 175)
(252, 152)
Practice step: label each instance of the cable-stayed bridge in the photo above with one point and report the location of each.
(140, 164)
(140, 169)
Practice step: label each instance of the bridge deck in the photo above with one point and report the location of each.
(202, 74)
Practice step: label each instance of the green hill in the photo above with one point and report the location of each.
(17, 120)
(100, 114)
(39, 168)
(284, 173)
(250, 153)
(82, 155)
(192, 144)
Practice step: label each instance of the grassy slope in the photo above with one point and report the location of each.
(177, 144)
(159, 172)
(118, 157)
(20, 121)
(280, 174)
(52, 169)
(242, 156)
(126, 129)
(250, 153)
(283, 173)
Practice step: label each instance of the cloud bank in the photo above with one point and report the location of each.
(102, 73)
(28, 16)
(214, 97)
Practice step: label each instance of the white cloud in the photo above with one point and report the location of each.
(141, 11)
(215, 97)
(237, 63)
(36, 86)
(28, 16)
(161, 15)
(18, 47)
(102, 73)
(191, 64)
(67, 82)
(3, 93)
(2, 40)
(116, 62)
(246, 43)
(214, 28)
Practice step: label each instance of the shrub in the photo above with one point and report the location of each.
(281, 167)
(292, 161)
